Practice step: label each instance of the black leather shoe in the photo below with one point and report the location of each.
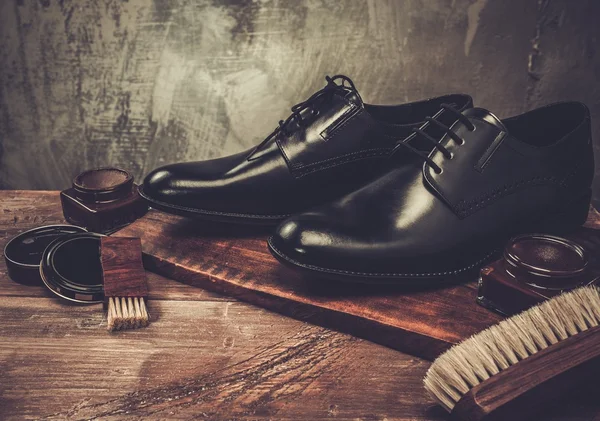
(330, 145)
(444, 214)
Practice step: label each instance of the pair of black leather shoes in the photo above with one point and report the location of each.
(426, 190)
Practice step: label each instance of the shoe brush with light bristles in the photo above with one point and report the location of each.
(125, 287)
(513, 369)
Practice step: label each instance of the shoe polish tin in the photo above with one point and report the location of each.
(536, 267)
(71, 268)
(103, 200)
(23, 253)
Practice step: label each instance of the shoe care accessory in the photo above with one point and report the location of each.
(23, 253)
(125, 288)
(103, 200)
(514, 368)
(535, 267)
(83, 267)
(70, 268)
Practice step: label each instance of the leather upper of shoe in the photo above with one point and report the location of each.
(330, 145)
(485, 181)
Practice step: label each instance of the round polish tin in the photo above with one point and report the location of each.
(71, 268)
(103, 185)
(103, 200)
(546, 261)
(23, 253)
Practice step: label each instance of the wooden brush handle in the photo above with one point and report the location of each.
(122, 267)
(526, 387)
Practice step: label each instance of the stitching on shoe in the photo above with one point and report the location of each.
(300, 165)
(465, 208)
(578, 169)
(339, 160)
(380, 274)
(435, 185)
(471, 205)
(300, 169)
(350, 119)
(285, 157)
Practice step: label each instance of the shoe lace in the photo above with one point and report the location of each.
(317, 97)
(435, 143)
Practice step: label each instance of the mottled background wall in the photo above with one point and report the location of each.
(140, 83)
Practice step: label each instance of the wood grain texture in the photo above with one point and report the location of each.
(122, 267)
(141, 83)
(203, 357)
(235, 261)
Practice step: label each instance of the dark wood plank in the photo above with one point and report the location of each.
(211, 360)
(214, 360)
(234, 262)
(220, 359)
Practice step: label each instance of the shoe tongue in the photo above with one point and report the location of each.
(485, 115)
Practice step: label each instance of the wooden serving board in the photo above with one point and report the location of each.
(234, 260)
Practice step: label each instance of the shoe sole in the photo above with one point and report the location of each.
(228, 217)
(408, 279)
(559, 223)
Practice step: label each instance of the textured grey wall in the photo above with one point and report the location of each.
(140, 83)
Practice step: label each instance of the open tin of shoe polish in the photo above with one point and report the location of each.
(536, 267)
(71, 268)
(103, 200)
(23, 253)
(546, 261)
(103, 185)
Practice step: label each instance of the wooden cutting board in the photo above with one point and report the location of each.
(234, 260)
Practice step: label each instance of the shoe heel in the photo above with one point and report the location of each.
(571, 217)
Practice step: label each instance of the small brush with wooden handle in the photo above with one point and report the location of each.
(125, 287)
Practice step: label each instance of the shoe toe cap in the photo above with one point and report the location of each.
(307, 239)
(325, 243)
(161, 183)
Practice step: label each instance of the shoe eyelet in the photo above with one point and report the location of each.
(473, 129)
(438, 172)
(451, 156)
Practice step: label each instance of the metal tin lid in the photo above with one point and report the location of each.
(23, 253)
(71, 268)
(103, 185)
(546, 260)
(546, 255)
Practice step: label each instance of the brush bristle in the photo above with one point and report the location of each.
(487, 353)
(126, 313)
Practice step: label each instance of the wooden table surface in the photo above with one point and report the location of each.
(203, 357)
